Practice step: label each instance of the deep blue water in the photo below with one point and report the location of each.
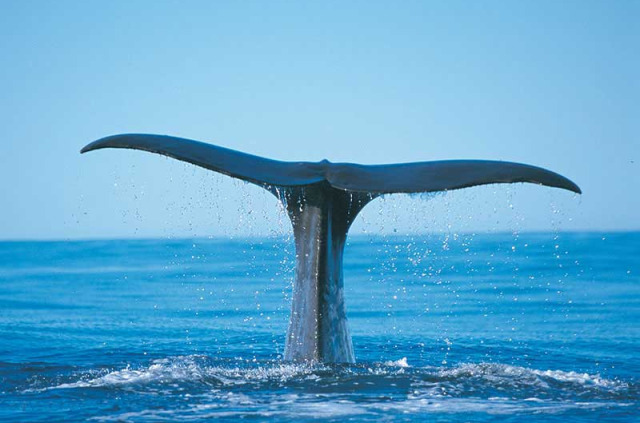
(497, 327)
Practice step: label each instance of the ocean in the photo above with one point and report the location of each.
(446, 327)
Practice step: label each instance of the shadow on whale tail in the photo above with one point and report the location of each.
(322, 200)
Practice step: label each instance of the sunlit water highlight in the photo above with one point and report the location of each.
(462, 327)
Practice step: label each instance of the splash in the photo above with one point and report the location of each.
(461, 379)
(209, 388)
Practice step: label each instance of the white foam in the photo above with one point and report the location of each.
(193, 369)
(160, 370)
(432, 389)
(514, 375)
(398, 363)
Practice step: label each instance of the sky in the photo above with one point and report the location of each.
(553, 84)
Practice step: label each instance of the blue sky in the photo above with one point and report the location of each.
(548, 83)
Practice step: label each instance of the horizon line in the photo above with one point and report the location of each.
(287, 235)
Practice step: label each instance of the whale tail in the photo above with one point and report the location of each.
(322, 200)
(376, 179)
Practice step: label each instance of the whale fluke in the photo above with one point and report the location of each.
(322, 200)
(380, 179)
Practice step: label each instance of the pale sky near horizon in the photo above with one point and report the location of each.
(553, 84)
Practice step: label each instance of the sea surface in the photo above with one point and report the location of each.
(446, 327)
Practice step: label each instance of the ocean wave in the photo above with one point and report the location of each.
(476, 376)
(200, 387)
(514, 376)
(193, 369)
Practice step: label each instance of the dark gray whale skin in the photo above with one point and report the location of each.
(322, 200)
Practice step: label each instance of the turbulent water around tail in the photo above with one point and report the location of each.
(500, 327)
